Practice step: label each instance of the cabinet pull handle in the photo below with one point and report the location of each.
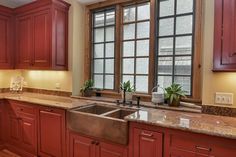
(147, 134)
(203, 148)
(49, 110)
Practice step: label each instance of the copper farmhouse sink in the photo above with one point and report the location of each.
(100, 121)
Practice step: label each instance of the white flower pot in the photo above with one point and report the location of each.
(128, 96)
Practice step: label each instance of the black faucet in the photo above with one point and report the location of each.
(138, 101)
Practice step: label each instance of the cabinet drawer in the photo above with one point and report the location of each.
(20, 107)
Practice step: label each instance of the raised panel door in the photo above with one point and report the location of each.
(80, 146)
(42, 39)
(29, 133)
(51, 132)
(147, 143)
(14, 130)
(110, 150)
(24, 42)
(6, 42)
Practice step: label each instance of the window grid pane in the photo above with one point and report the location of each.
(175, 44)
(135, 45)
(103, 49)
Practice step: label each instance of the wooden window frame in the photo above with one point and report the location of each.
(119, 4)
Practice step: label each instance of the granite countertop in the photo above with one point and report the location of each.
(193, 122)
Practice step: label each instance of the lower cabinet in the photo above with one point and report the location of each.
(81, 146)
(51, 132)
(2, 119)
(146, 143)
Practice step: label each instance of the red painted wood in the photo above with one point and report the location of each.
(6, 38)
(147, 143)
(2, 119)
(41, 39)
(80, 146)
(225, 35)
(51, 132)
(24, 42)
(110, 150)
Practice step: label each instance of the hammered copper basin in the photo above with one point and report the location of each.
(100, 121)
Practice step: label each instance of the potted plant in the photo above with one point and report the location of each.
(128, 89)
(173, 94)
(87, 88)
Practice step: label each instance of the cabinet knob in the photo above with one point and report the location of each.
(93, 142)
(97, 143)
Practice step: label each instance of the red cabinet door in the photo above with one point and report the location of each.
(14, 132)
(147, 143)
(110, 150)
(80, 146)
(6, 40)
(23, 42)
(2, 118)
(41, 39)
(225, 35)
(51, 132)
(28, 133)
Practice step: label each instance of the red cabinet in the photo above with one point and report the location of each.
(225, 36)
(2, 118)
(81, 146)
(42, 35)
(22, 127)
(146, 143)
(6, 38)
(51, 132)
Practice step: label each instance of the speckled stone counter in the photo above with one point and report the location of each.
(193, 122)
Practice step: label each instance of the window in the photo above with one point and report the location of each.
(147, 42)
(103, 48)
(175, 43)
(135, 45)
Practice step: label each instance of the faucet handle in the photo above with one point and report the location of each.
(138, 101)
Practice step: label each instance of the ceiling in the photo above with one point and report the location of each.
(14, 3)
(89, 1)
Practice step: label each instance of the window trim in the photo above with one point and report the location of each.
(119, 4)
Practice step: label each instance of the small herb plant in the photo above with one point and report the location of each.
(174, 93)
(127, 87)
(87, 87)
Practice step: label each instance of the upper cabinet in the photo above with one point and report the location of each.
(42, 35)
(6, 38)
(225, 36)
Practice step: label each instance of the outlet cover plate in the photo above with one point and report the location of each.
(224, 98)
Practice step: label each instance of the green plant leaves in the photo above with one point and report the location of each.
(127, 87)
(174, 92)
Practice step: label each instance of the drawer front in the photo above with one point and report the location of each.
(21, 107)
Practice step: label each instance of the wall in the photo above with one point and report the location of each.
(6, 75)
(213, 82)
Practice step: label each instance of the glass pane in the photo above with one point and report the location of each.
(164, 81)
(142, 84)
(183, 65)
(184, 6)
(98, 66)
(129, 14)
(110, 18)
(128, 66)
(99, 19)
(129, 31)
(165, 46)
(109, 66)
(165, 65)
(110, 49)
(143, 30)
(144, 11)
(98, 50)
(185, 82)
(184, 24)
(109, 81)
(128, 78)
(142, 48)
(98, 81)
(142, 65)
(128, 48)
(183, 45)
(99, 35)
(167, 8)
(110, 33)
(166, 27)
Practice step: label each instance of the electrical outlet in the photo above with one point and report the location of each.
(58, 86)
(224, 98)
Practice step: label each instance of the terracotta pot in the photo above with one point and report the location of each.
(174, 103)
(128, 96)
